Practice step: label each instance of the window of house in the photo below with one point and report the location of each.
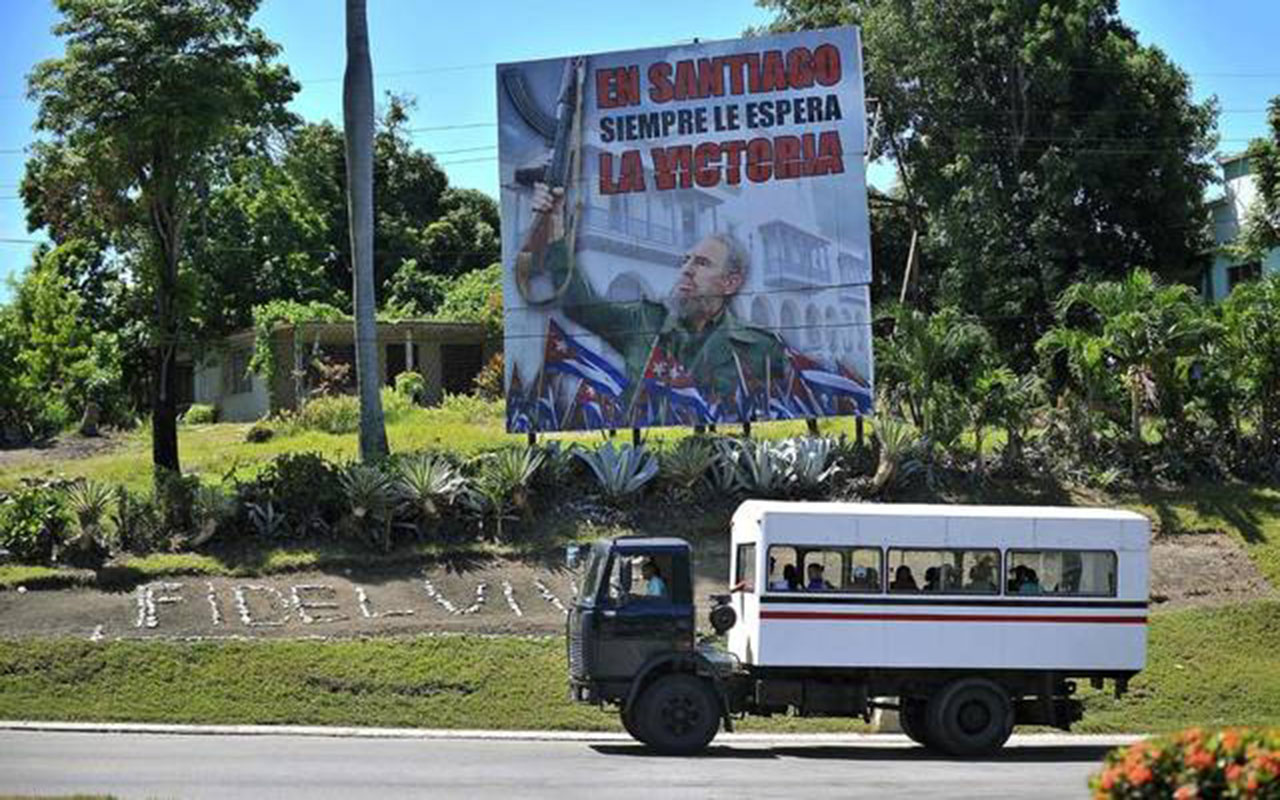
(745, 574)
(1061, 572)
(1243, 272)
(947, 571)
(238, 378)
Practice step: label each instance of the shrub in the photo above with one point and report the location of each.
(200, 414)
(176, 503)
(136, 522)
(620, 471)
(336, 414)
(214, 508)
(471, 409)
(411, 385)
(502, 482)
(305, 487)
(685, 465)
(1231, 763)
(89, 504)
(489, 381)
(32, 523)
(424, 484)
(395, 406)
(370, 498)
(259, 432)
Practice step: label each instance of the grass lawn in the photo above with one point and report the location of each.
(1205, 668)
(219, 450)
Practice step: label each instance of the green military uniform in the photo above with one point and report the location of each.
(637, 328)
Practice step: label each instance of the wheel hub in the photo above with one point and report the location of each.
(973, 717)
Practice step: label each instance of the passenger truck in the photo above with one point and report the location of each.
(966, 620)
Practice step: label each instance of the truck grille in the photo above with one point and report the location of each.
(577, 662)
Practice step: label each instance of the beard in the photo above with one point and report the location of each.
(694, 308)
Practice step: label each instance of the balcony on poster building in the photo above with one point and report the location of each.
(655, 227)
(794, 257)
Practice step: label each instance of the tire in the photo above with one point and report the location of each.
(678, 714)
(913, 718)
(970, 717)
(630, 722)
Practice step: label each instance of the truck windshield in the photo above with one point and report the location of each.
(592, 574)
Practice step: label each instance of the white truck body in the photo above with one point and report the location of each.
(1064, 621)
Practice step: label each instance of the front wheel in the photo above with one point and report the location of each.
(632, 725)
(679, 715)
(970, 717)
(914, 720)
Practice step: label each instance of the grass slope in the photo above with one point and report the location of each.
(1205, 667)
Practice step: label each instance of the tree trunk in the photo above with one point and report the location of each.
(357, 116)
(165, 224)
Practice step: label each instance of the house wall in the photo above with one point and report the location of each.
(211, 388)
(1239, 193)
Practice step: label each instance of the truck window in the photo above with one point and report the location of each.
(944, 571)
(592, 575)
(784, 570)
(745, 573)
(1062, 572)
(640, 578)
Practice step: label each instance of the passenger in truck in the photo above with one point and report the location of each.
(654, 585)
(933, 580)
(981, 578)
(817, 583)
(903, 580)
(789, 582)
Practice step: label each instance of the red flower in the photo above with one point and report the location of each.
(1233, 772)
(1197, 758)
(1187, 792)
(1138, 774)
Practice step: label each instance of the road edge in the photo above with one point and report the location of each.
(863, 739)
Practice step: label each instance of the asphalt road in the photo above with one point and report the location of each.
(152, 765)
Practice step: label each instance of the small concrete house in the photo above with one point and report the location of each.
(1240, 191)
(448, 355)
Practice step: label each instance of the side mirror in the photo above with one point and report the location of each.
(572, 554)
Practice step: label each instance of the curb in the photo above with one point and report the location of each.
(861, 739)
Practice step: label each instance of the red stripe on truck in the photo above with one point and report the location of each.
(889, 617)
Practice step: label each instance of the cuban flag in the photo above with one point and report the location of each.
(862, 402)
(545, 406)
(589, 408)
(518, 419)
(667, 379)
(828, 386)
(565, 355)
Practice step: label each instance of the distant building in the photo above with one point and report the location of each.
(1229, 214)
(447, 355)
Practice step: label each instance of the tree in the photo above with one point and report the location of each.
(144, 96)
(1251, 319)
(1262, 227)
(357, 116)
(1044, 142)
(1144, 332)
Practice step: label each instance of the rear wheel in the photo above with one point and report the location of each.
(678, 715)
(630, 723)
(970, 717)
(913, 718)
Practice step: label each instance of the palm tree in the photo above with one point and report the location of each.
(357, 116)
(1145, 332)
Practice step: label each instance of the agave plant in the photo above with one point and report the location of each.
(724, 473)
(686, 465)
(503, 480)
(268, 523)
(620, 471)
(811, 462)
(764, 468)
(897, 440)
(213, 508)
(90, 504)
(424, 483)
(371, 499)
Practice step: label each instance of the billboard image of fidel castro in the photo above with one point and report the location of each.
(694, 326)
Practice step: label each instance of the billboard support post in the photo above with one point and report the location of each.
(857, 428)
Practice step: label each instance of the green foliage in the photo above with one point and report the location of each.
(33, 521)
(136, 521)
(1251, 352)
(200, 414)
(476, 297)
(1229, 763)
(1261, 231)
(1136, 331)
(490, 380)
(176, 503)
(89, 504)
(425, 485)
(339, 413)
(215, 509)
(370, 495)
(620, 471)
(686, 464)
(471, 409)
(1016, 123)
(268, 316)
(305, 487)
(502, 482)
(412, 386)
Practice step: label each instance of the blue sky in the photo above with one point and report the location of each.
(445, 60)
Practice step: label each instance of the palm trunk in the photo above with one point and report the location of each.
(357, 115)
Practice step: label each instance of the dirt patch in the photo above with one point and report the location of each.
(1203, 569)
(69, 446)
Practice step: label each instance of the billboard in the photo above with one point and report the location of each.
(684, 234)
